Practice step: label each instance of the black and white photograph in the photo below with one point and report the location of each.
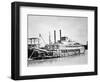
(53, 40)
(57, 40)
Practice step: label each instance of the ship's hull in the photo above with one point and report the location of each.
(61, 52)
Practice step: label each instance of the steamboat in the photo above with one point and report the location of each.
(60, 48)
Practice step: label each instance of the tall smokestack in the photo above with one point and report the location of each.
(54, 36)
(49, 39)
(60, 35)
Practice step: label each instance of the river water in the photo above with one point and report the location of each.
(69, 60)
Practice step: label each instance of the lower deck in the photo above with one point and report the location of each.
(68, 60)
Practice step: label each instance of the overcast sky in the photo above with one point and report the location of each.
(75, 28)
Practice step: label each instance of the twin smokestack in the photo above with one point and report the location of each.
(55, 36)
